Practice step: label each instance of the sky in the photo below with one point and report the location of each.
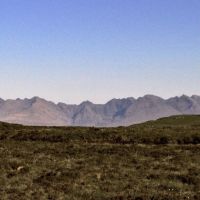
(72, 51)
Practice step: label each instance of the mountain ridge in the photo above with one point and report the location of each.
(116, 112)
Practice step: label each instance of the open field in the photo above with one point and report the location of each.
(154, 160)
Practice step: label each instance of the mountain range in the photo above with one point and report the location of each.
(116, 112)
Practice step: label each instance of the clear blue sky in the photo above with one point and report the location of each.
(75, 50)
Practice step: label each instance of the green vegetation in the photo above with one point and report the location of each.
(150, 161)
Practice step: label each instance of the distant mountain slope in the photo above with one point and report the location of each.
(116, 112)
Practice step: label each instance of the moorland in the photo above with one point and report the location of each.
(154, 160)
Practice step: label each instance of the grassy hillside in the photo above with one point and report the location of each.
(180, 120)
(154, 160)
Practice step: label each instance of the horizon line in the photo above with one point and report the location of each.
(84, 101)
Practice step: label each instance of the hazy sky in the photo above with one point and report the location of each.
(75, 50)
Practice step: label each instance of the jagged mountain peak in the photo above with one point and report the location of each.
(86, 103)
(151, 97)
(115, 100)
(37, 99)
